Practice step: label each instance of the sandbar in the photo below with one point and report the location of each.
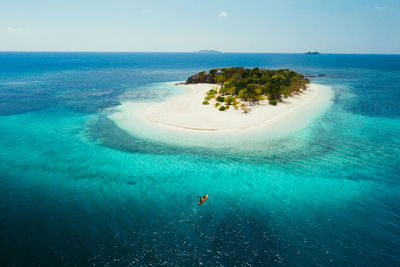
(186, 111)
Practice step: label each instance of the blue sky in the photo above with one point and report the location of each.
(286, 26)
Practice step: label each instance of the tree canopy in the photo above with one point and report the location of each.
(254, 84)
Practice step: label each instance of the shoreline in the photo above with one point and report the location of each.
(294, 115)
(185, 112)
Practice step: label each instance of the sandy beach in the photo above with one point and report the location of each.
(186, 111)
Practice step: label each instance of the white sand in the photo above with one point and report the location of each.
(186, 112)
(182, 120)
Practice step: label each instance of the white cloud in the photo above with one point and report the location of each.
(223, 14)
(147, 11)
(10, 29)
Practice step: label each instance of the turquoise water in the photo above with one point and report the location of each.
(75, 189)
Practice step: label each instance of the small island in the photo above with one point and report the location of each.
(232, 99)
(241, 87)
(312, 53)
(209, 51)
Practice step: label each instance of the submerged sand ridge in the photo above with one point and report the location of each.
(186, 111)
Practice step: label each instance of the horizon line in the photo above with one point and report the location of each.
(190, 52)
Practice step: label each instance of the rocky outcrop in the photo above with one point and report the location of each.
(314, 75)
(201, 77)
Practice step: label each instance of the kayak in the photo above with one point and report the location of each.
(203, 199)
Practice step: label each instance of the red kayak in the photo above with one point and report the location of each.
(203, 199)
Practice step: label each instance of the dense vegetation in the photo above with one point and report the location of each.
(251, 85)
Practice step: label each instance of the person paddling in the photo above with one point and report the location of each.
(203, 199)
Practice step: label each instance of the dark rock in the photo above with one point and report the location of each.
(202, 77)
(314, 75)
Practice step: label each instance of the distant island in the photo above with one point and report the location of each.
(312, 53)
(250, 86)
(210, 51)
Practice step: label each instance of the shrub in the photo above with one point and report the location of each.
(236, 107)
(223, 90)
(286, 91)
(220, 98)
(207, 98)
(222, 108)
(206, 102)
(212, 92)
(273, 102)
(210, 96)
(227, 107)
(217, 104)
(229, 100)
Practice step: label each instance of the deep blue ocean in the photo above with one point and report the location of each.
(77, 190)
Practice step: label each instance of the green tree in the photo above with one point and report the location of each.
(229, 100)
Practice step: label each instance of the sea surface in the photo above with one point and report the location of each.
(77, 190)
